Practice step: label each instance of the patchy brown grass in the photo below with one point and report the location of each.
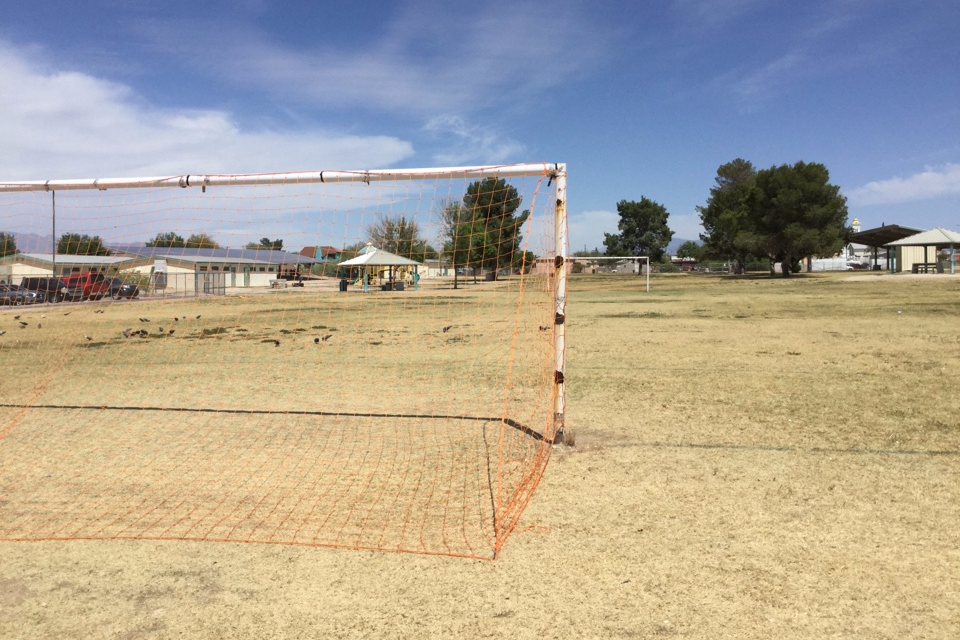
(754, 458)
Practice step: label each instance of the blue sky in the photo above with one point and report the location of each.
(638, 98)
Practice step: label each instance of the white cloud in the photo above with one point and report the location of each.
(433, 56)
(464, 142)
(59, 124)
(587, 228)
(929, 183)
(687, 226)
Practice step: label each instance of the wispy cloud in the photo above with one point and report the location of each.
(74, 125)
(932, 182)
(759, 84)
(463, 142)
(432, 57)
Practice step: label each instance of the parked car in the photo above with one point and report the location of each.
(47, 289)
(91, 285)
(120, 289)
(29, 297)
(9, 295)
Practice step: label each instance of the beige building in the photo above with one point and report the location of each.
(169, 270)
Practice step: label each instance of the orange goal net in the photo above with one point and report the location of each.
(360, 359)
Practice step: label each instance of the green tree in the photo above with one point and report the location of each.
(725, 217)
(201, 241)
(455, 233)
(81, 245)
(400, 235)
(594, 253)
(494, 230)
(267, 244)
(167, 239)
(8, 244)
(643, 230)
(795, 212)
(690, 249)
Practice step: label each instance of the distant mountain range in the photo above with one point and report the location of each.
(33, 243)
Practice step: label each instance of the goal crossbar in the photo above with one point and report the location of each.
(300, 177)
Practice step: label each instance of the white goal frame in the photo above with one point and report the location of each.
(646, 260)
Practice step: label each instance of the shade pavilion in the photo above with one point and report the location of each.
(936, 238)
(371, 257)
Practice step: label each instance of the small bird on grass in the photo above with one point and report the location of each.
(88, 338)
(198, 317)
(23, 324)
(316, 341)
(99, 311)
(144, 319)
(276, 343)
(447, 328)
(16, 317)
(176, 319)
(39, 326)
(170, 332)
(327, 337)
(127, 332)
(2, 332)
(543, 327)
(161, 329)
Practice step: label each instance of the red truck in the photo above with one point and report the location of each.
(89, 285)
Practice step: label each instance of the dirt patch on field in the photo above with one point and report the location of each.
(761, 459)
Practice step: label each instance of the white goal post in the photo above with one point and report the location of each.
(645, 269)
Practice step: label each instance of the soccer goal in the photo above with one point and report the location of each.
(362, 359)
(638, 265)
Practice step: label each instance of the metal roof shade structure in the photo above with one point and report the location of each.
(371, 256)
(880, 237)
(936, 237)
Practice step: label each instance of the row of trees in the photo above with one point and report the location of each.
(171, 239)
(780, 214)
(87, 245)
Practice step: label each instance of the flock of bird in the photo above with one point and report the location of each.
(143, 333)
(130, 332)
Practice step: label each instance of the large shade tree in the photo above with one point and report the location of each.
(643, 230)
(795, 212)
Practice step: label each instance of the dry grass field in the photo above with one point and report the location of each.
(754, 458)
